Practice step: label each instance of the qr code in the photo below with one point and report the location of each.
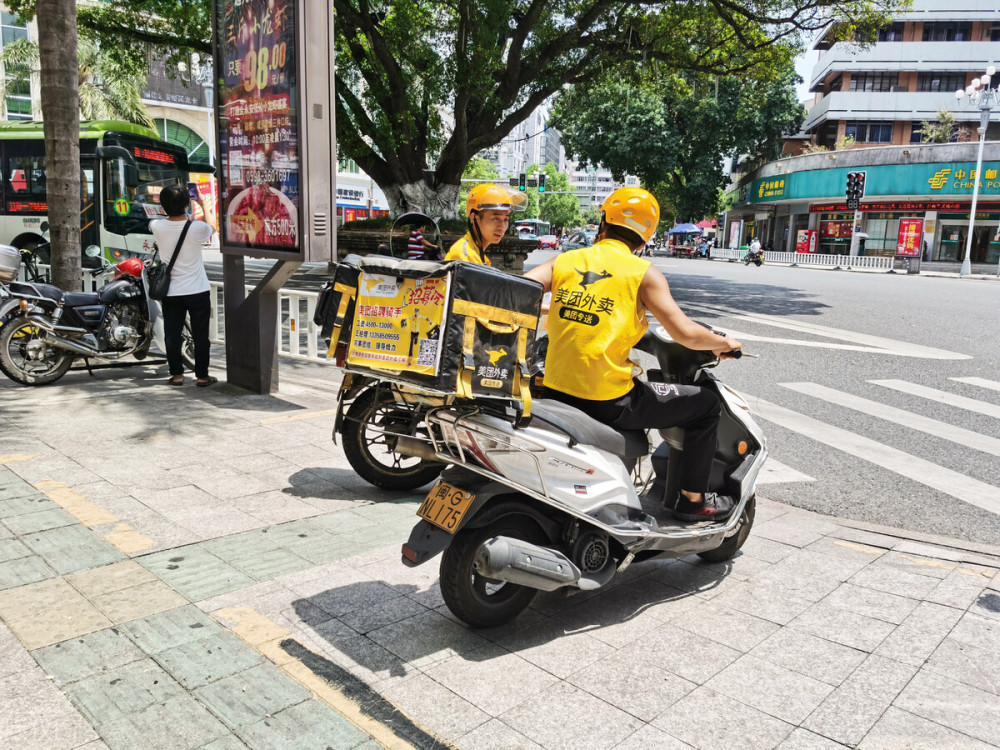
(427, 355)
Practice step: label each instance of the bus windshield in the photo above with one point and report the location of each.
(129, 204)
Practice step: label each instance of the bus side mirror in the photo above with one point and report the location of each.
(131, 175)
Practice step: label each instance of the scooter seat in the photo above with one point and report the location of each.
(582, 428)
(80, 299)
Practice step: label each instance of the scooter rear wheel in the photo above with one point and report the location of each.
(371, 425)
(731, 545)
(475, 600)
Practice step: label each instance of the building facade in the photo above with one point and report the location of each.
(868, 113)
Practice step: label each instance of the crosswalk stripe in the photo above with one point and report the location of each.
(981, 382)
(942, 397)
(775, 472)
(949, 482)
(917, 422)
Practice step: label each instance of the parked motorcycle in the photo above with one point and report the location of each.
(553, 504)
(45, 328)
(756, 258)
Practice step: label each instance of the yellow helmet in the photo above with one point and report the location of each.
(498, 197)
(633, 208)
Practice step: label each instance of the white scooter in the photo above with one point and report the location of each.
(555, 504)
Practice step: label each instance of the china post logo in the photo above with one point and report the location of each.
(939, 179)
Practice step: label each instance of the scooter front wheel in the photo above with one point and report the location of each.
(731, 544)
(475, 600)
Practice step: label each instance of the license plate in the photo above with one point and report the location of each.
(445, 505)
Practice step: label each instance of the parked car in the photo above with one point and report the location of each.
(579, 239)
(548, 242)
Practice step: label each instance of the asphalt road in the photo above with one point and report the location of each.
(842, 444)
(886, 452)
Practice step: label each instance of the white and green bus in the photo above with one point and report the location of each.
(123, 167)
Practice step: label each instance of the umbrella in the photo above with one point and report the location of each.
(707, 223)
(685, 229)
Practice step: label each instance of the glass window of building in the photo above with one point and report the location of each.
(874, 81)
(940, 82)
(869, 132)
(183, 136)
(18, 82)
(891, 33)
(948, 31)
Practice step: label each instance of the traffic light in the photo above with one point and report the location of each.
(855, 188)
(522, 181)
(541, 182)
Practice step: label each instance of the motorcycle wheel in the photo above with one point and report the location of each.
(731, 544)
(759, 262)
(187, 346)
(369, 443)
(16, 336)
(746, 261)
(478, 601)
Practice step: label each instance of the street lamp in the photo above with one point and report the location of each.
(985, 98)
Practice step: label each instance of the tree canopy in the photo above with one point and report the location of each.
(424, 85)
(672, 131)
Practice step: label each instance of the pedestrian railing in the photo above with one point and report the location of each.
(874, 262)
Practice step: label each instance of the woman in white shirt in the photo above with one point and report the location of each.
(190, 292)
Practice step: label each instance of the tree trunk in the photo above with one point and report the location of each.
(438, 203)
(57, 48)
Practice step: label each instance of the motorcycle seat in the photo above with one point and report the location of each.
(24, 289)
(80, 299)
(582, 428)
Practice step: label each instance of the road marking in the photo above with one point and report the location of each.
(941, 397)
(775, 472)
(981, 382)
(959, 435)
(949, 482)
(856, 341)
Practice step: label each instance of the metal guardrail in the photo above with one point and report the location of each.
(875, 262)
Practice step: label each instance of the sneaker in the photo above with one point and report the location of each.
(713, 508)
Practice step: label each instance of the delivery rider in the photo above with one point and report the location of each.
(488, 209)
(600, 297)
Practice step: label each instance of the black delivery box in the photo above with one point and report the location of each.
(453, 328)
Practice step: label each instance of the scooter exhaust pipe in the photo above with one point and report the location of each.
(411, 446)
(83, 350)
(504, 558)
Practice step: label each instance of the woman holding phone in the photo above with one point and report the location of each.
(190, 291)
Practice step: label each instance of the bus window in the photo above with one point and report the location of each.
(25, 187)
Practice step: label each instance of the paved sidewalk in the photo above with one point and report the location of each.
(200, 568)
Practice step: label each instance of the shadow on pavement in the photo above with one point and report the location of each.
(378, 626)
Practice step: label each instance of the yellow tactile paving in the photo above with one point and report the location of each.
(264, 636)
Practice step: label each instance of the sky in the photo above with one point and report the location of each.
(804, 66)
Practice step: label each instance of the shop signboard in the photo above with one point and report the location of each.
(945, 179)
(910, 236)
(270, 153)
(836, 229)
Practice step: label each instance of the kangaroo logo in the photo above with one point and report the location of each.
(590, 277)
(495, 355)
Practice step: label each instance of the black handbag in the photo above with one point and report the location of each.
(158, 275)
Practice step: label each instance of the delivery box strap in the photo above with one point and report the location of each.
(338, 321)
(494, 314)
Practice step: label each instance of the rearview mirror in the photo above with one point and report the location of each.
(131, 175)
(92, 251)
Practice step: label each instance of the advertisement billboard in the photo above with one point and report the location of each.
(910, 236)
(268, 147)
(805, 241)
